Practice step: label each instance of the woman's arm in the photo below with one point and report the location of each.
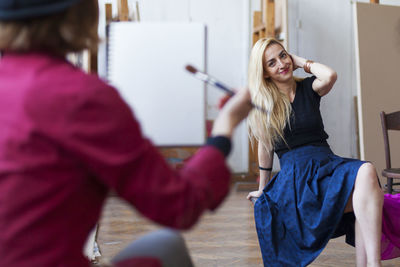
(326, 76)
(105, 139)
(265, 161)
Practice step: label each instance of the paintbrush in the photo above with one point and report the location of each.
(214, 82)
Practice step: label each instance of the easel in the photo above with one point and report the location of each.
(271, 21)
(123, 12)
(175, 156)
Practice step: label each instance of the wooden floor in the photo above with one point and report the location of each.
(224, 238)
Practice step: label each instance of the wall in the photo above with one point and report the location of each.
(322, 31)
(228, 44)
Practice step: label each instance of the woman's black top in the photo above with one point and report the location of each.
(306, 126)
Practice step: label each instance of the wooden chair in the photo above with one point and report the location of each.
(390, 121)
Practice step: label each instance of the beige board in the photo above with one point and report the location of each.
(377, 33)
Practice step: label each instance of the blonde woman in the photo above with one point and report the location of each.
(316, 194)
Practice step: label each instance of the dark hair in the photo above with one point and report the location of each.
(72, 30)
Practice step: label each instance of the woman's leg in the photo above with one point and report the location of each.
(367, 206)
(361, 255)
(165, 245)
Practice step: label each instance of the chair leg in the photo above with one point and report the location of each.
(390, 185)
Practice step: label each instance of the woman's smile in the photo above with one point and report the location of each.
(284, 71)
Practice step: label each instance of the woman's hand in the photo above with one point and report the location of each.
(298, 62)
(325, 76)
(255, 194)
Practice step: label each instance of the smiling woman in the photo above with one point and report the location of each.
(301, 208)
(266, 94)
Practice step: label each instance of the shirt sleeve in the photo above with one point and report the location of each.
(102, 133)
(221, 142)
(307, 82)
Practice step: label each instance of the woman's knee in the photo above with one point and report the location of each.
(367, 179)
(367, 173)
(368, 167)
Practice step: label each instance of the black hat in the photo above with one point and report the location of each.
(24, 9)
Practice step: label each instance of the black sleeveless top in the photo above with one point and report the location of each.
(306, 126)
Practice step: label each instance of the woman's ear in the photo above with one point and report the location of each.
(266, 76)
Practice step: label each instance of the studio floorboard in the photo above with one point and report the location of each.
(224, 238)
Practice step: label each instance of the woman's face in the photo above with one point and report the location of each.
(278, 65)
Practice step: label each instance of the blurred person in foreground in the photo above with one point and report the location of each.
(67, 139)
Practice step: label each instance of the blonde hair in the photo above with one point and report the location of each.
(72, 30)
(267, 129)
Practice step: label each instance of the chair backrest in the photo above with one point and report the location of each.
(390, 121)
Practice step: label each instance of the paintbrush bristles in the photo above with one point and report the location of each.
(191, 69)
(200, 75)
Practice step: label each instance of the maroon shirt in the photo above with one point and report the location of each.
(66, 139)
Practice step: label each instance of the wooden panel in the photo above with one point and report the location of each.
(378, 57)
(108, 12)
(256, 37)
(269, 17)
(253, 166)
(123, 10)
(257, 19)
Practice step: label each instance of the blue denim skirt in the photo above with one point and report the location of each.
(302, 206)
